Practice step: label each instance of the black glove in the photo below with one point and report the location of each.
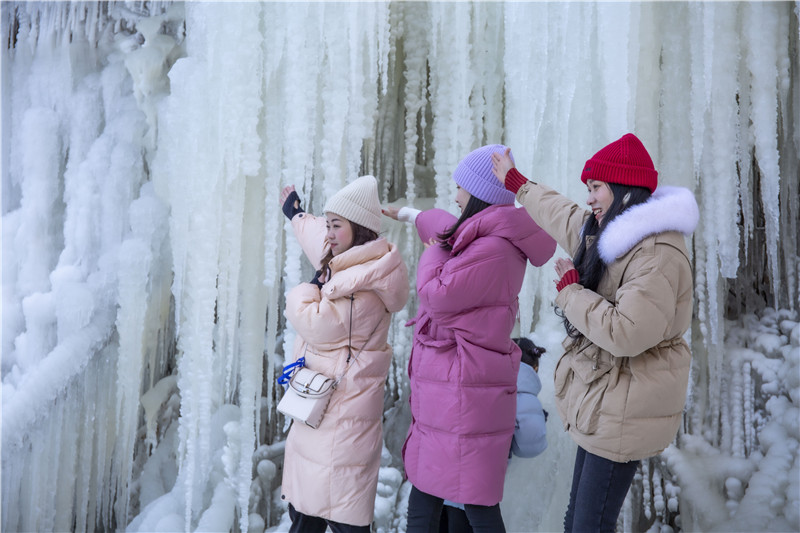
(288, 206)
(546, 414)
(316, 280)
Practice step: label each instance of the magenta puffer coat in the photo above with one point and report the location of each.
(464, 365)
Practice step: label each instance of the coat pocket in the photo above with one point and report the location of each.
(587, 408)
(434, 359)
(591, 372)
(590, 362)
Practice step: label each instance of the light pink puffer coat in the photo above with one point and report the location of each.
(332, 471)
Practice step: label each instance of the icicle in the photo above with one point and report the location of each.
(646, 61)
(416, 43)
(336, 104)
(295, 163)
(525, 90)
(699, 97)
(647, 489)
(716, 378)
(526, 95)
(84, 516)
(745, 164)
(748, 408)
(724, 153)
(736, 400)
(673, 493)
(272, 164)
(384, 54)
(674, 165)
(727, 419)
(37, 238)
(658, 494)
(414, 97)
(701, 292)
(762, 60)
(252, 312)
(195, 213)
(451, 86)
(486, 100)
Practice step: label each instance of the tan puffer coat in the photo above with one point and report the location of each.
(332, 471)
(621, 392)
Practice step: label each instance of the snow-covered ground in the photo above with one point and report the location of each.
(145, 259)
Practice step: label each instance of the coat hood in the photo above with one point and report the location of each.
(510, 223)
(668, 209)
(375, 266)
(528, 380)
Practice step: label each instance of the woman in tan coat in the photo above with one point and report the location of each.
(342, 318)
(626, 301)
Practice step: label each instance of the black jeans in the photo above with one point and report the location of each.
(454, 520)
(425, 511)
(599, 487)
(303, 523)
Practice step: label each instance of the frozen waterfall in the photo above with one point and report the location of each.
(145, 258)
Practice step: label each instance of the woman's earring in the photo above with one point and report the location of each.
(626, 198)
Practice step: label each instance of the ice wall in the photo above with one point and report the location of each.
(85, 288)
(145, 258)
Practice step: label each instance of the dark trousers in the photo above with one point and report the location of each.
(454, 520)
(425, 512)
(303, 523)
(599, 487)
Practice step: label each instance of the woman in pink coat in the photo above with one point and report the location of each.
(464, 365)
(342, 318)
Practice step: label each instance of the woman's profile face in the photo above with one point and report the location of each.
(462, 197)
(340, 233)
(600, 198)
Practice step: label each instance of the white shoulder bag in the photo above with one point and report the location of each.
(309, 392)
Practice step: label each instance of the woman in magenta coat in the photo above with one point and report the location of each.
(464, 365)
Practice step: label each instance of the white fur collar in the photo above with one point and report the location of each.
(668, 209)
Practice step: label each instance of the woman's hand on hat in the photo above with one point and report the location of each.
(390, 212)
(289, 189)
(501, 164)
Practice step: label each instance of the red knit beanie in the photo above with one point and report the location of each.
(625, 161)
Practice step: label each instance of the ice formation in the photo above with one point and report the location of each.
(145, 258)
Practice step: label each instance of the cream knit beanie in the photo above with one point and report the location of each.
(358, 202)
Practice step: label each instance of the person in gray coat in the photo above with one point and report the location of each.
(530, 432)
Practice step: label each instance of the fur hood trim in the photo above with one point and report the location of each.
(668, 209)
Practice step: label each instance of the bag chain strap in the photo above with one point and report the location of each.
(349, 343)
(290, 369)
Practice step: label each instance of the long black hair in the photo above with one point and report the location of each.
(474, 205)
(587, 259)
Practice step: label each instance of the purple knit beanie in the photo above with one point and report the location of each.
(474, 174)
(624, 161)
